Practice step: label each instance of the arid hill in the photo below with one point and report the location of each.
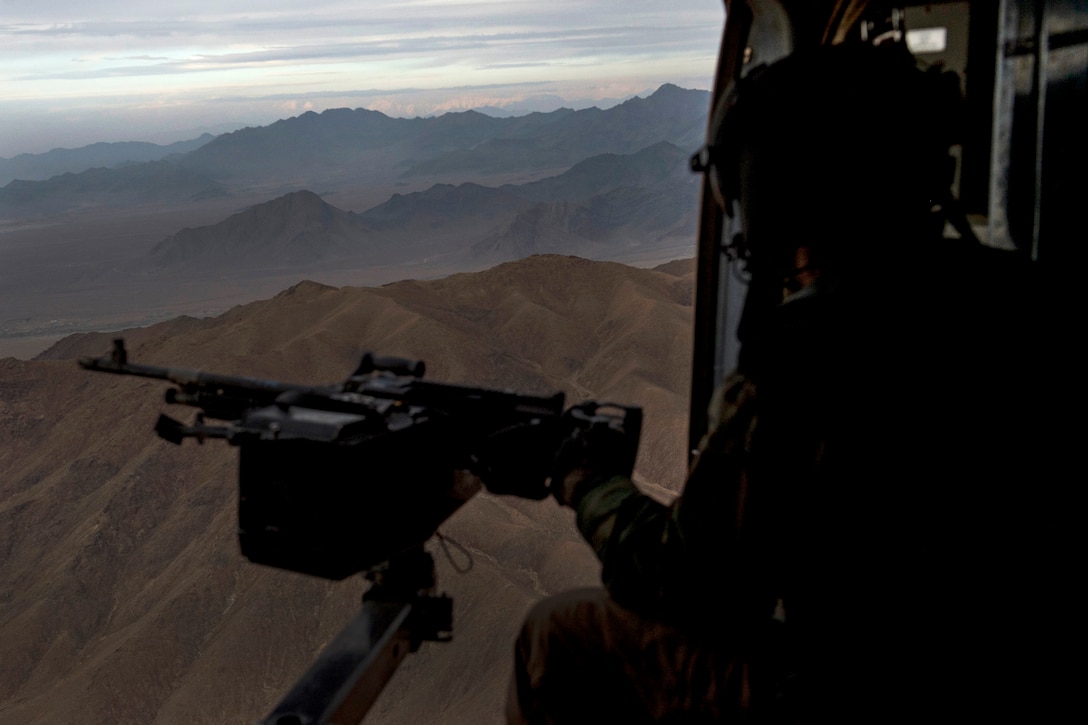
(295, 229)
(123, 595)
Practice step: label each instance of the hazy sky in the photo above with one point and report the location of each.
(78, 71)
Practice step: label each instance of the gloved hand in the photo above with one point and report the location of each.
(597, 448)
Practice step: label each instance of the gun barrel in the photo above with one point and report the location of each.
(186, 377)
(223, 396)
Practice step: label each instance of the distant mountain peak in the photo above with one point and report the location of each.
(305, 288)
(669, 88)
(300, 194)
(304, 196)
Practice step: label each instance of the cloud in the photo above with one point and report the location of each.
(543, 48)
(72, 54)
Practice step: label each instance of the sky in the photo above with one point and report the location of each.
(74, 72)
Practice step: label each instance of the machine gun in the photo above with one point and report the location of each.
(356, 476)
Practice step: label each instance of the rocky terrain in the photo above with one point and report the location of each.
(123, 596)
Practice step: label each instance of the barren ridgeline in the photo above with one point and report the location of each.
(124, 596)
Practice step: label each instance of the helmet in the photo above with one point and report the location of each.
(843, 150)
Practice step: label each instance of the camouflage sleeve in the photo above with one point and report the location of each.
(654, 554)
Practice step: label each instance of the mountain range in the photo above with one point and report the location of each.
(151, 182)
(340, 197)
(340, 147)
(39, 167)
(600, 207)
(462, 143)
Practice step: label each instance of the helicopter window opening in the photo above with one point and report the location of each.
(927, 40)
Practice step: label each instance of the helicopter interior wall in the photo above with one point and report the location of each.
(958, 38)
(1065, 184)
(1041, 111)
